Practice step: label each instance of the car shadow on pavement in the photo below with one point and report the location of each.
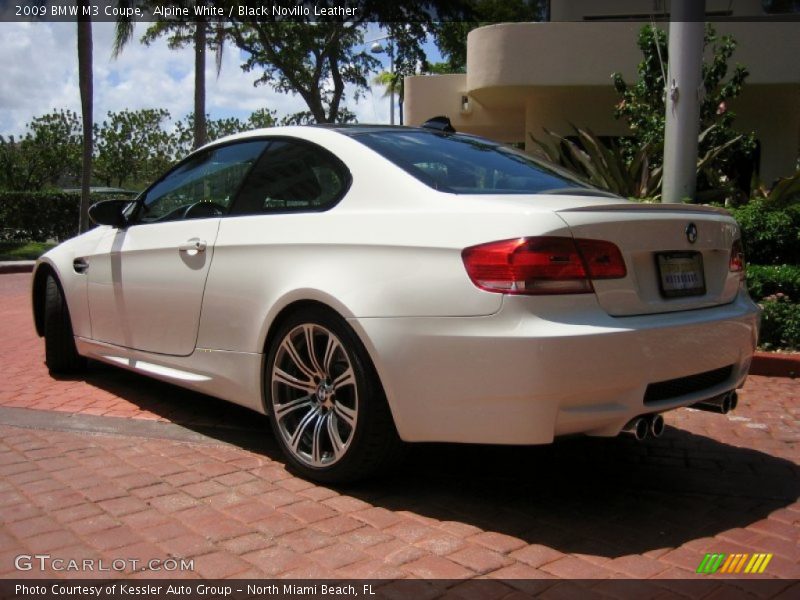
(153, 399)
(600, 496)
(606, 497)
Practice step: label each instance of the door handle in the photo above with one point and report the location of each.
(193, 245)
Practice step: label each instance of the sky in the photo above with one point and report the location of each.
(39, 72)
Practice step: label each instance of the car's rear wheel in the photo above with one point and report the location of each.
(61, 355)
(327, 407)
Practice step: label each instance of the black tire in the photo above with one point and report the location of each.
(61, 356)
(318, 416)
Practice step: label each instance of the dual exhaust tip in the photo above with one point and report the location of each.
(722, 404)
(653, 425)
(641, 427)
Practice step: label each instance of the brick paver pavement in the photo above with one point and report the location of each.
(580, 508)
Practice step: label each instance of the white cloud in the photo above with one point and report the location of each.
(39, 73)
(36, 77)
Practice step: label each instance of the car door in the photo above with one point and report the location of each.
(146, 281)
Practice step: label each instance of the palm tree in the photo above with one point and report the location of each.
(181, 33)
(85, 76)
(393, 84)
(200, 126)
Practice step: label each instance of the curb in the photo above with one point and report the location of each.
(773, 364)
(18, 266)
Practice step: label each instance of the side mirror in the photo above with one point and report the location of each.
(109, 212)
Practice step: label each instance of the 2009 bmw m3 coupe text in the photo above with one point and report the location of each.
(366, 286)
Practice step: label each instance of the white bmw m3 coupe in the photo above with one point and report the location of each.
(366, 286)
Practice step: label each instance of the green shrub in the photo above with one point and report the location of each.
(780, 323)
(785, 191)
(38, 216)
(767, 280)
(771, 236)
(23, 250)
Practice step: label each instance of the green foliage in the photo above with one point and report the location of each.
(780, 323)
(132, 147)
(318, 61)
(784, 193)
(49, 154)
(261, 118)
(23, 250)
(183, 135)
(390, 82)
(326, 61)
(38, 216)
(451, 34)
(768, 280)
(603, 163)
(306, 117)
(441, 68)
(606, 164)
(201, 33)
(179, 33)
(771, 237)
(642, 106)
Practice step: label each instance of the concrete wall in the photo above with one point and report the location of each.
(564, 54)
(558, 108)
(428, 96)
(773, 112)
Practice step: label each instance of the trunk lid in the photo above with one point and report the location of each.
(666, 270)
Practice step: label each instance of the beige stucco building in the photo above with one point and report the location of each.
(522, 77)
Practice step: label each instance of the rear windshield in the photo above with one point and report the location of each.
(462, 164)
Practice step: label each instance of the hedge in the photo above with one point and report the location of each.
(771, 236)
(780, 323)
(38, 216)
(767, 280)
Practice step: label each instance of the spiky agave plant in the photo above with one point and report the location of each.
(604, 163)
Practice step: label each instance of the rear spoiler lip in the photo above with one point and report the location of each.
(640, 206)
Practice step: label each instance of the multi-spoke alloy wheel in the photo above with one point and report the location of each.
(314, 395)
(326, 404)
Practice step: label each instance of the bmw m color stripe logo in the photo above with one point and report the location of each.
(734, 563)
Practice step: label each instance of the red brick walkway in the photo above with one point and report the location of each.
(581, 508)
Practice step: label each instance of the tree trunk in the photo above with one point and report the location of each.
(85, 84)
(200, 130)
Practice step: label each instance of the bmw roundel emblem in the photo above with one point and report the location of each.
(691, 233)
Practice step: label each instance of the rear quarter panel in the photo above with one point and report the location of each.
(391, 248)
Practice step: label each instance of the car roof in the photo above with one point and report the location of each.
(356, 128)
(347, 130)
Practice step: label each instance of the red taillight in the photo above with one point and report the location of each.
(542, 265)
(736, 264)
(603, 259)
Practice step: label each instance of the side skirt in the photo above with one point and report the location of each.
(232, 376)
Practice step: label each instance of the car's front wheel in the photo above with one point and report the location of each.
(61, 355)
(326, 405)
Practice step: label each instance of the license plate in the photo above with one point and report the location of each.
(681, 274)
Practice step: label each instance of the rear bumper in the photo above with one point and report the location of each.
(548, 366)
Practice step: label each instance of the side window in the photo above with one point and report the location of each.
(292, 176)
(203, 186)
